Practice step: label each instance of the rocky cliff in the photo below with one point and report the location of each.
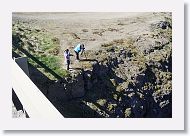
(129, 77)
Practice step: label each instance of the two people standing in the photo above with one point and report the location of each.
(79, 48)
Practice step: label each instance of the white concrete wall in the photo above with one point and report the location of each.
(32, 99)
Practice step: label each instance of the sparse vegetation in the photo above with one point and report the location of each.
(42, 46)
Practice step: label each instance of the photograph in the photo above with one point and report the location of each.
(91, 65)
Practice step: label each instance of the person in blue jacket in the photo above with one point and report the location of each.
(79, 48)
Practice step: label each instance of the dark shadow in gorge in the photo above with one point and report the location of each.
(68, 108)
(104, 89)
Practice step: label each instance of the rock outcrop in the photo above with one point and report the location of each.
(129, 77)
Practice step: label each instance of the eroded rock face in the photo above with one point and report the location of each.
(137, 82)
(77, 89)
(129, 77)
(124, 81)
(71, 87)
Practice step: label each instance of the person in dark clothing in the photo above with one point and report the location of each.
(67, 57)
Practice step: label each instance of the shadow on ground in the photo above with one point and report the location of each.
(101, 88)
(68, 108)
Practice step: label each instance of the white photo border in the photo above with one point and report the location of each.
(174, 123)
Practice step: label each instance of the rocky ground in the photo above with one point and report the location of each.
(17, 113)
(126, 70)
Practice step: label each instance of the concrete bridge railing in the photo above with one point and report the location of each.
(33, 100)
